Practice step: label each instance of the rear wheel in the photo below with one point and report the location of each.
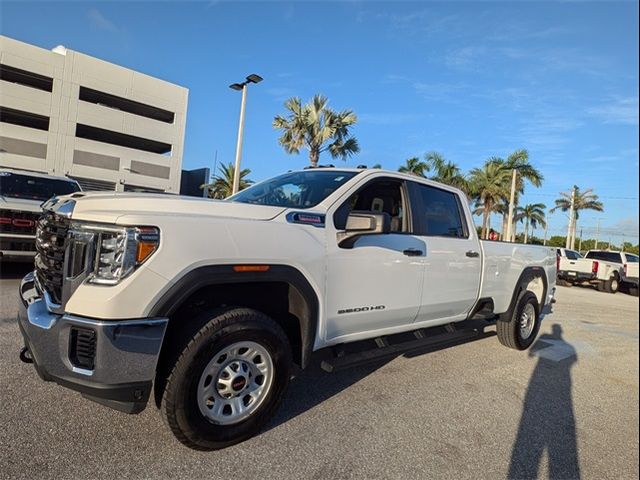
(612, 285)
(228, 380)
(520, 330)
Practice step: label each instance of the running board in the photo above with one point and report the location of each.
(366, 351)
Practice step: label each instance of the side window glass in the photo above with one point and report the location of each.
(438, 213)
(379, 195)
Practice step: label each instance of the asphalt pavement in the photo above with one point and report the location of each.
(568, 408)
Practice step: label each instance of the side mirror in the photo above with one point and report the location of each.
(363, 223)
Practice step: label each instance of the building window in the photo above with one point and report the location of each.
(16, 146)
(126, 105)
(121, 139)
(136, 188)
(93, 185)
(24, 119)
(23, 77)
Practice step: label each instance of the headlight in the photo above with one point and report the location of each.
(118, 250)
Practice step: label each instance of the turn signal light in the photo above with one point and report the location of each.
(250, 268)
(594, 267)
(144, 251)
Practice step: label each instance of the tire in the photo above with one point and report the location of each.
(633, 291)
(213, 422)
(509, 330)
(612, 285)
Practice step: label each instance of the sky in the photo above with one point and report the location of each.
(470, 80)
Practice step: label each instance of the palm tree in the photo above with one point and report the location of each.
(532, 214)
(446, 172)
(222, 185)
(586, 200)
(487, 185)
(414, 166)
(519, 161)
(317, 128)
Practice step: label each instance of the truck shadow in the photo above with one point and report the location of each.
(548, 420)
(312, 386)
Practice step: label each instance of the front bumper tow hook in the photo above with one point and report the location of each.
(25, 355)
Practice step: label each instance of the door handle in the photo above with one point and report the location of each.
(472, 254)
(412, 252)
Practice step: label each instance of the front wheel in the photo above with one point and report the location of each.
(520, 330)
(228, 380)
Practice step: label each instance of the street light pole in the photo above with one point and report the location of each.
(236, 170)
(253, 78)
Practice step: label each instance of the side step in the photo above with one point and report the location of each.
(363, 352)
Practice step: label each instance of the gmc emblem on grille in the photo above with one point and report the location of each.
(17, 222)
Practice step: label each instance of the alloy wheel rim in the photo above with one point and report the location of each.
(235, 383)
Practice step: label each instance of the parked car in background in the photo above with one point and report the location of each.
(628, 273)
(603, 272)
(21, 196)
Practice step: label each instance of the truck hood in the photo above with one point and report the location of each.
(21, 204)
(109, 206)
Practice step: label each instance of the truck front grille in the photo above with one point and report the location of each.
(15, 221)
(51, 237)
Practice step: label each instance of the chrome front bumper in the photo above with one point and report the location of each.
(124, 354)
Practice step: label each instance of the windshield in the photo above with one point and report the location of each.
(16, 185)
(571, 255)
(294, 190)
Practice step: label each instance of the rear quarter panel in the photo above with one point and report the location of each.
(503, 265)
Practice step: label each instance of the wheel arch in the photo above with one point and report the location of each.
(289, 283)
(533, 279)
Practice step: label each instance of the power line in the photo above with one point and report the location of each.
(599, 196)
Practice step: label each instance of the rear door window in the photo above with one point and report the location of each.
(437, 212)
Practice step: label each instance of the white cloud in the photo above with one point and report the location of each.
(620, 110)
(388, 118)
(98, 20)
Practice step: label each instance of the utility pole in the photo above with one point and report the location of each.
(597, 234)
(546, 226)
(512, 199)
(580, 244)
(570, 232)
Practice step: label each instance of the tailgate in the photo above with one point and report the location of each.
(580, 265)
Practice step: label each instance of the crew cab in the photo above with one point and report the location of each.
(21, 194)
(597, 270)
(206, 304)
(626, 263)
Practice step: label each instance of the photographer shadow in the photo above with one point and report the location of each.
(548, 421)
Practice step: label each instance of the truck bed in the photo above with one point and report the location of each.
(503, 265)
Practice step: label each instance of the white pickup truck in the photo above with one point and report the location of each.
(21, 195)
(625, 262)
(208, 303)
(605, 269)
